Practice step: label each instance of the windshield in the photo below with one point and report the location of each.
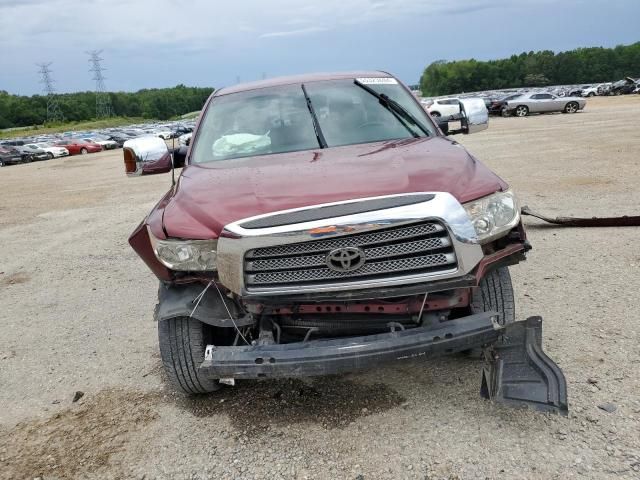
(279, 119)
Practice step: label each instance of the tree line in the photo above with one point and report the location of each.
(157, 103)
(530, 69)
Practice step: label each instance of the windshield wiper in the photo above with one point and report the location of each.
(316, 125)
(396, 109)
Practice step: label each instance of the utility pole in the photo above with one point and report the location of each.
(103, 101)
(54, 114)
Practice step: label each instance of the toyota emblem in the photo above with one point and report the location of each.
(345, 259)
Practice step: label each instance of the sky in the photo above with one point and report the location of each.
(162, 43)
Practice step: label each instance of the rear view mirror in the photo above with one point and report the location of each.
(146, 156)
(473, 117)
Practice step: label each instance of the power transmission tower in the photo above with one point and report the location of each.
(54, 114)
(103, 101)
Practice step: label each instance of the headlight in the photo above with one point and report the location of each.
(493, 215)
(185, 255)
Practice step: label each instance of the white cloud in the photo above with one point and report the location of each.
(73, 24)
(294, 33)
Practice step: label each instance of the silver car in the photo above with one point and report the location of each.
(536, 102)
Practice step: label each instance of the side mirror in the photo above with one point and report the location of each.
(146, 156)
(473, 117)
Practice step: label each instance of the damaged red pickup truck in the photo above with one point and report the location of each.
(325, 223)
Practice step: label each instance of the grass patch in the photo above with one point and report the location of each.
(67, 126)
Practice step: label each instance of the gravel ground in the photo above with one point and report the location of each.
(77, 316)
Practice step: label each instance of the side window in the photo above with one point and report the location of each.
(544, 96)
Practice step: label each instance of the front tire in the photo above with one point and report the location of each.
(495, 292)
(571, 107)
(182, 344)
(49, 156)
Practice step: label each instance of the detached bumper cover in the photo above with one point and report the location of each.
(519, 373)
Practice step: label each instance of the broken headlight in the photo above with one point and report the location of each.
(494, 215)
(185, 255)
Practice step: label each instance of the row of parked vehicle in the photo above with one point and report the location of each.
(46, 147)
(522, 102)
(518, 104)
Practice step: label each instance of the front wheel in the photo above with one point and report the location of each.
(84, 151)
(49, 156)
(182, 345)
(571, 107)
(495, 292)
(435, 114)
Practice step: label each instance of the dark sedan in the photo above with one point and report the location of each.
(498, 104)
(36, 152)
(9, 156)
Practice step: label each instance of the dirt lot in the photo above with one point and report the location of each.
(77, 316)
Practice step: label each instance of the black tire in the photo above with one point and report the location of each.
(435, 114)
(84, 151)
(521, 111)
(495, 292)
(2, 163)
(49, 156)
(591, 94)
(571, 107)
(182, 345)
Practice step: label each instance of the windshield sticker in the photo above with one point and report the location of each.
(377, 81)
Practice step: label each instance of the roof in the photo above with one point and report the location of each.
(294, 79)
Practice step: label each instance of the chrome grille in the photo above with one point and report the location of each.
(397, 251)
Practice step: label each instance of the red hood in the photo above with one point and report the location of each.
(210, 196)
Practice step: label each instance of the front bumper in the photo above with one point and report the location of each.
(324, 357)
(518, 372)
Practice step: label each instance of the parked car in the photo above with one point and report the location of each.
(543, 103)
(105, 143)
(497, 105)
(593, 90)
(119, 137)
(36, 152)
(12, 143)
(52, 150)
(26, 153)
(623, 87)
(77, 146)
(185, 139)
(9, 156)
(323, 223)
(444, 107)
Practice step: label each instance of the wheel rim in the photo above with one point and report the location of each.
(571, 108)
(521, 111)
(83, 151)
